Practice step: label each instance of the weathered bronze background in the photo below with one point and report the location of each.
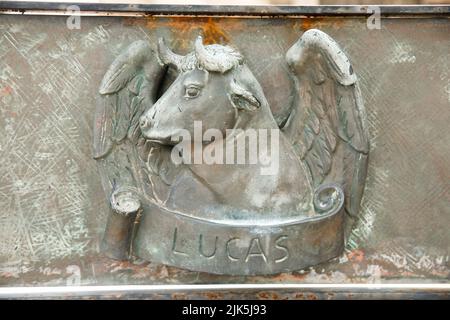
(53, 206)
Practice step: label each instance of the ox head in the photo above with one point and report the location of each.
(213, 86)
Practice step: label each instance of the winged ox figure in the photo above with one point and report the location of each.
(148, 95)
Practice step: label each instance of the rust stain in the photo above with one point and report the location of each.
(299, 296)
(318, 23)
(213, 30)
(213, 33)
(306, 24)
(187, 28)
(5, 91)
(268, 295)
(179, 296)
(356, 256)
(312, 296)
(213, 295)
(209, 28)
(8, 275)
(287, 277)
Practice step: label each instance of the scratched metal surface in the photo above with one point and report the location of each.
(53, 207)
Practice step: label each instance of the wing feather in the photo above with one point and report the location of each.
(128, 88)
(326, 124)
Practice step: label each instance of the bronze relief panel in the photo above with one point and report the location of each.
(203, 177)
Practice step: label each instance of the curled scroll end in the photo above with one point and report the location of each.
(125, 202)
(328, 199)
(118, 236)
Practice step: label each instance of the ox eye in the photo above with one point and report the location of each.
(191, 92)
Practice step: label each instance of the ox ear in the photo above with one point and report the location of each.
(242, 99)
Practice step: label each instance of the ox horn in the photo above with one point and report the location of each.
(203, 56)
(167, 56)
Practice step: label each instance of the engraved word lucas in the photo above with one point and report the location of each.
(233, 248)
(151, 99)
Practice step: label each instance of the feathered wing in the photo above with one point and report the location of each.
(326, 124)
(127, 90)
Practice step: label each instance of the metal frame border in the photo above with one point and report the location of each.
(378, 290)
(342, 291)
(22, 7)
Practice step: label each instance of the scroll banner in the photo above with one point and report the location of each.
(177, 240)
